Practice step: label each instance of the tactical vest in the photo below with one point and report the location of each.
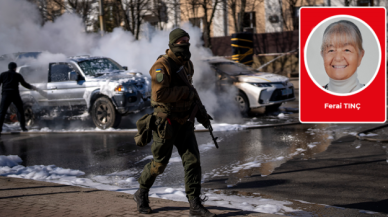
(181, 108)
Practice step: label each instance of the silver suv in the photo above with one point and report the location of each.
(97, 85)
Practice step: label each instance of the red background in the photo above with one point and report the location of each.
(313, 98)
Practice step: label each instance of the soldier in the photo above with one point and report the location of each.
(10, 94)
(173, 103)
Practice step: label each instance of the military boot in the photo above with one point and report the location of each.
(141, 198)
(198, 210)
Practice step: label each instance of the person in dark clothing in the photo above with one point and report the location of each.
(10, 94)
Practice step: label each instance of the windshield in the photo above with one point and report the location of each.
(234, 68)
(95, 67)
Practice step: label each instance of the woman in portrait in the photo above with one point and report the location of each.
(342, 53)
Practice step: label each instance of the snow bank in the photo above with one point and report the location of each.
(86, 130)
(10, 160)
(246, 166)
(9, 166)
(11, 127)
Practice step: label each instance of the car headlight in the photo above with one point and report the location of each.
(261, 84)
(122, 88)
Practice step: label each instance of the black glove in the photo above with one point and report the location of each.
(206, 121)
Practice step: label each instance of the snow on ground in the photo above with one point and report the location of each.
(250, 165)
(86, 130)
(369, 134)
(216, 127)
(363, 134)
(312, 145)
(9, 166)
(11, 127)
(229, 127)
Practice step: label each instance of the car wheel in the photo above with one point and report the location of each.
(29, 115)
(271, 108)
(242, 103)
(104, 114)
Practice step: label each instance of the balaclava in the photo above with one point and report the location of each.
(180, 50)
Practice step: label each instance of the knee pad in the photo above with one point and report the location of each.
(157, 168)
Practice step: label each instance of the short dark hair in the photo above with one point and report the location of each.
(12, 66)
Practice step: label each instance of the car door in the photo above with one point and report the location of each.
(36, 76)
(64, 89)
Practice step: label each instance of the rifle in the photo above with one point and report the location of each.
(198, 105)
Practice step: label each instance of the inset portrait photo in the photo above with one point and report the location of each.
(342, 55)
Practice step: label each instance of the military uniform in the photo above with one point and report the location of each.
(171, 96)
(173, 102)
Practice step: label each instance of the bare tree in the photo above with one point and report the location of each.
(288, 14)
(123, 14)
(81, 7)
(135, 11)
(160, 13)
(238, 10)
(290, 9)
(208, 8)
(49, 9)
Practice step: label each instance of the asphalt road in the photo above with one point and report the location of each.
(333, 171)
(347, 174)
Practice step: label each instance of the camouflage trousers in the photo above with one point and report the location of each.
(186, 143)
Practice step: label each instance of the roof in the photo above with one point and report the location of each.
(81, 58)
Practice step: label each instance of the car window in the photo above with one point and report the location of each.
(60, 72)
(34, 74)
(29, 55)
(95, 67)
(233, 68)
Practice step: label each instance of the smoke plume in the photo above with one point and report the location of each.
(21, 31)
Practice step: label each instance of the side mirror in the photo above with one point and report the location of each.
(125, 67)
(80, 78)
(73, 76)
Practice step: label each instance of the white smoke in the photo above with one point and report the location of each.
(21, 31)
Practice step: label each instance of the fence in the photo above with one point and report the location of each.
(279, 42)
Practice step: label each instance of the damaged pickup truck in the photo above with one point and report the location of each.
(98, 86)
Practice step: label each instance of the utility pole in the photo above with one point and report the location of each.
(102, 27)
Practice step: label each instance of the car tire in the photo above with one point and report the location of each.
(242, 103)
(104, 114)
(29, 114)
(272, 108)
